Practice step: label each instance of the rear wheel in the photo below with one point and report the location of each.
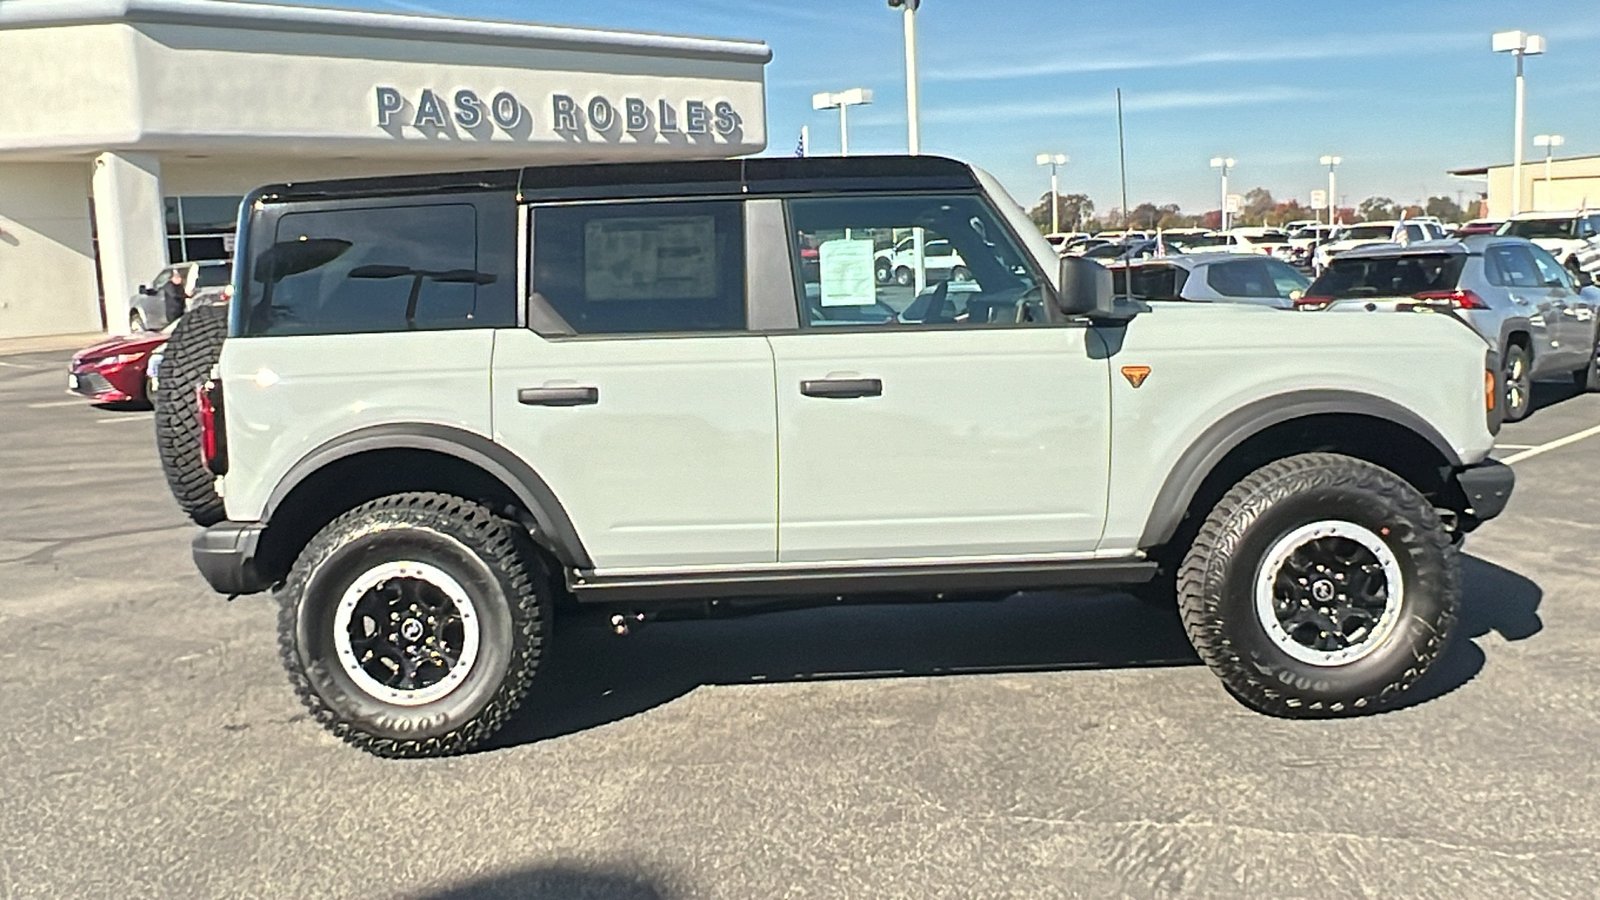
(960, 273)
(413, 625)
(186, 362)
(1519, 383)
(1320, 585)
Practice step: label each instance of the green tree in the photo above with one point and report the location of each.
(1445, 209)
(1258, 204)
(1074, 210)
(1377, 208)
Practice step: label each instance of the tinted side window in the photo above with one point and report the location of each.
(1244, 278)
(392, 268)
(1511, 265)
(640, 268)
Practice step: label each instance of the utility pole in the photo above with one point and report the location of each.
(1518, 44)
(1054, 160)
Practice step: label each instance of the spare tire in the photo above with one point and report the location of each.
(194, 347)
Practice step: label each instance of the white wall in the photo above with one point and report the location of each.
(47, 281)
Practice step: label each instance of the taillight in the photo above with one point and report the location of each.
(1458, 299)
(213, 432)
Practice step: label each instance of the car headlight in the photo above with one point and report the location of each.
(120, 359)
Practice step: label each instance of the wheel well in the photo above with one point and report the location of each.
(1377, 440)
(348, 482)
(1520, 339)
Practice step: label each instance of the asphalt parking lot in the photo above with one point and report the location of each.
(1051, 745)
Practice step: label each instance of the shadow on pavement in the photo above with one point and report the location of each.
(1550, 393)
(1492, 599)
(593, 677)
(553, 883)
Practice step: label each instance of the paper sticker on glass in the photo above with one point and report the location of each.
(650, 258)
(846, 272)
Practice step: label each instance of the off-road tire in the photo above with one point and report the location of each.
(500, 570)
(1588, 377)
(1217, 586)
(1517, 359)
(193, 349)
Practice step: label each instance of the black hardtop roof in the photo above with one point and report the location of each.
(675, 178)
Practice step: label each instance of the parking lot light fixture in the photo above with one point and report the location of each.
(1224, 163)
(1333, 205)
(842, 101)
(1518, 44)
(1054, 161)
(913, 128)
(1549, 142)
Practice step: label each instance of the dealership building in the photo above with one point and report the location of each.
(131, 128)
(1564, 183)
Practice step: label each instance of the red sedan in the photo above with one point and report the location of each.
(113, 371)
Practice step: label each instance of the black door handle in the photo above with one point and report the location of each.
(842, 387)
(558, 396)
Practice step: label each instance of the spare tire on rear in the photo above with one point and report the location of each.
(192, 350)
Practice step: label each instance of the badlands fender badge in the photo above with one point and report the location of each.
(1136, 374)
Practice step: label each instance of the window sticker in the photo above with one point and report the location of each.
(655, 258)
(847, 277)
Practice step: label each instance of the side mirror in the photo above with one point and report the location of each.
(1085, 288)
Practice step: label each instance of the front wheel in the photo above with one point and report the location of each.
(413, 625)
(1519, 383)
(902, 276)
(1320, 585)
(136, 323)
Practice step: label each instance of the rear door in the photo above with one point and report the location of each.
(968, 426)
(637, 391)
(1574, 322)
(1511, 266)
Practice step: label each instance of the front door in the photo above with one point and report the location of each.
(636, 392)
(961, 423)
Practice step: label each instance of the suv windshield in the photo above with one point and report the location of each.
(1365, 233)
(1538, 228)
(1389, 276)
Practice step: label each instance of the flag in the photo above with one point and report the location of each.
(800, 148)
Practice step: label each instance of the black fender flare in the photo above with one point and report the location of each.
(554, 528)
(1216, 442)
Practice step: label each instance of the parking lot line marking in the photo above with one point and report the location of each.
(147, 417)
(13, 365)
(1515, 446)
(1552, 445)
(82, 401)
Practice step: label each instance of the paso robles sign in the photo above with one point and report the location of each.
(433, 112)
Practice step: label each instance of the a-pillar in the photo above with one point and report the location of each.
(130, 221)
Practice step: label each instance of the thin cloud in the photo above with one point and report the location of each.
(1081, 107)
(1333, 47)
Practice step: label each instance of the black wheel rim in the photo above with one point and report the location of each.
(406, 633)
(1329, 592)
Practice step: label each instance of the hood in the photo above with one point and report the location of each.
(133, 343)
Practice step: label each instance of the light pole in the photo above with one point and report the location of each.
(842, 101)
(1054, 160)
(913, 129)
(1549, 142)
(1518, 44)
(1223, 163)
(1333, 204)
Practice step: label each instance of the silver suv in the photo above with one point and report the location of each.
(1529, 307)
(447, 406)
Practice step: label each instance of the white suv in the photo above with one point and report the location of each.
(448, 405)
(1363, 234)
(1565, 234)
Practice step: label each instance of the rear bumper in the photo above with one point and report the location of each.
(1487, 488)
(225, 554)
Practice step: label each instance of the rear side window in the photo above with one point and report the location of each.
(213, 276)
(641, 268)
(1263, 278)
(391, 268)
(1389, 276)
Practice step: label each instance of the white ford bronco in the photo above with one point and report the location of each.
(442, 407)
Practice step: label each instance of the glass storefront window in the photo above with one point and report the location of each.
(200, 228)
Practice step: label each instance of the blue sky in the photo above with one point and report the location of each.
(1403, 90)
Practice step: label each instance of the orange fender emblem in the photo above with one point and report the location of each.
(1136, 374)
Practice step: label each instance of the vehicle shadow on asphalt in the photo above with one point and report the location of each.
(551, 883)
(1493, 598)
(593, 677)
(1551, 393)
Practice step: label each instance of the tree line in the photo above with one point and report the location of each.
(1076, 212)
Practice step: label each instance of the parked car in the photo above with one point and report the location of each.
(1478, 226)
(940, 262)
(1564, 234)
(700, 449)
(205, 282)
(1512, 291)
(1212, 278)
(1349, 237)
(1063, 239)
(115, 370)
